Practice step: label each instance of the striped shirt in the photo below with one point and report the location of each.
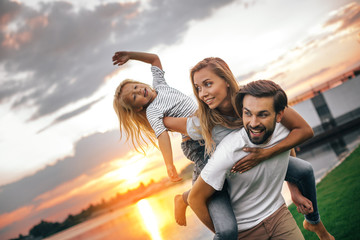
(169, 102)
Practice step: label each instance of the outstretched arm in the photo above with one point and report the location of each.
(166, 150)
(300, 131)
(198, 197)
(121, 57)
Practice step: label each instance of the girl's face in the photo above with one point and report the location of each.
(138, 95)
(212, 90)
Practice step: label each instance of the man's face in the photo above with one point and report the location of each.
(259, 118)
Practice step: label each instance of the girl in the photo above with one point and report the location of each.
(215, 87)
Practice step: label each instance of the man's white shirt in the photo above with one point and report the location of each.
(254, 194)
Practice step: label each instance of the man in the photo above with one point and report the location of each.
(255, 195)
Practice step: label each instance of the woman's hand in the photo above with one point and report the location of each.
(120, 58)
(256, 156)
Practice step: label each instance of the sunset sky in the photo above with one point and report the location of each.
(59, 136)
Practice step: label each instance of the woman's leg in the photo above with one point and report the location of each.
(301, 173)
(195, 152)
(219, 205)
(222, 216)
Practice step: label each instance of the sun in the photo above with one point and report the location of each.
(127, 170)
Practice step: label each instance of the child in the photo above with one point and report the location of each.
(140, 108)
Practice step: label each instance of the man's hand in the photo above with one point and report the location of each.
(303, 205)
(172, 173)
(120, 58)
(256, 156)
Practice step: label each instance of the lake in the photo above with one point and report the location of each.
(152, 218)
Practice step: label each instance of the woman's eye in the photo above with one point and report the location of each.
(208, 84)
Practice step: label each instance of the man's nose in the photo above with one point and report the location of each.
(254, 122)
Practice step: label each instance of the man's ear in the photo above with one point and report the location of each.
(139, 109)
(279, 116)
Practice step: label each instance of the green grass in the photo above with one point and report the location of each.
(338, 197)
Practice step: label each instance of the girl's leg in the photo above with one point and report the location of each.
(301, 173)
(222, 216)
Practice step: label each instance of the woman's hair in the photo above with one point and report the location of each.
(135, 124)
(211, 117)
(259, 89)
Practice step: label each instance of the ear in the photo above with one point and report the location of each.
(279, 116)
(139, 109)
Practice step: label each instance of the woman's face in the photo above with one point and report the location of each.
(212, 90)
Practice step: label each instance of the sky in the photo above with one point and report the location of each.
(60, 146)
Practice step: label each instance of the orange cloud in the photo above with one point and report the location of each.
(14, 40)
(20, 213)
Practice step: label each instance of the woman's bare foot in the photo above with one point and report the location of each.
(319, 229)
(180, 210)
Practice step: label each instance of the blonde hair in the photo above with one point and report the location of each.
(211, 117)
(135, 124)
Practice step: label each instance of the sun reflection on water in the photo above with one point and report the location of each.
(149, 219)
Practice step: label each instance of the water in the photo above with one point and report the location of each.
(153, 217)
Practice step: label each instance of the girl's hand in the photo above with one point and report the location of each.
(256, 156)
(172, 173)
(120, 58)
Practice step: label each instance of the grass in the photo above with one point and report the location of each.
(338, 197)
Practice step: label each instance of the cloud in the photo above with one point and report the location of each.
(65, 54)
(90, 153)
(346, 17)
(70, 114)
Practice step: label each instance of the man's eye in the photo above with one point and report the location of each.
(247, 113)
(263, 115)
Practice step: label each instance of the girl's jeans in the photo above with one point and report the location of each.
(299, 172)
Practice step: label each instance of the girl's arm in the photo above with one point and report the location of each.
(166, 150)
(120, 58)
(300, 131)
(176, 124)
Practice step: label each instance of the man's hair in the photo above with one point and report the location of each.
(259, 89)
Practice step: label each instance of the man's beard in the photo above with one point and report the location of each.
(265, 136)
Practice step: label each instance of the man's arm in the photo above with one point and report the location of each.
(198, 197)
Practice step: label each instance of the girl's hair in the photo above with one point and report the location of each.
(211, 117)
(135, 124)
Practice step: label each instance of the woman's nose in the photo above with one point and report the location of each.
(202, 93)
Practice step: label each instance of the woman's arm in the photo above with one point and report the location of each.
(175, 124)
(121, 57)
(300, 131)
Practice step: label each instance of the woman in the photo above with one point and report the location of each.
(215, 87)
